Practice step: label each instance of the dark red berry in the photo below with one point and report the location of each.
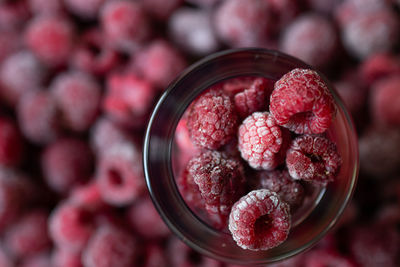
(259, 220)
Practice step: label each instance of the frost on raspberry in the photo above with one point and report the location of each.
(260, 220)
(301, 102)
(261, 141)
(314, 159)
(212, 120)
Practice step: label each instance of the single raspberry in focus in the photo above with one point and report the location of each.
(11, 143)
(261, 141)
(50, 38)
(314, 159)
(259, 220)
(212, 120)
(66, 163)
(220, 179)
(311, 38)
(28, 236)
(280, 182)
(87, 9)
(302, 102)
(379, 66)
(65, 258)
(110, 247)
(78, 96)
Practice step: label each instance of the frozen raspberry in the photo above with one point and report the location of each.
(19, 73)
(352, 91)
(28, 236)
(320, 258)
(212, 120)
(9, 43)
(314, 159)
(192, 30)
(120, 175)
(379, 66)
(160, 63)
(182, 137)
(87, 196)
(280, 182)
(38, 117)
(252, 99)
(379, 153)
(155, 256)
(42, 260)
(125, 23)
(78, 97)
(385, 96)
(110, 247)
(88, 9)
(50, 38)
(93, 55)
(65, 258)
(301, 102)
(70, 226)
(243, 23)
(13, 15)
(371, 33)
(5, 259)
(220, 179)
(190, 191)
(66, 163)
(11, 143)
(39, 7)
(128, 98)
(161, 9)
(260, 141)
(142, 214)
(311, 38)
(375, 246)
(259, 220)
(236, 85)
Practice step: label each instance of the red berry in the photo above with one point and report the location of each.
(110, 247)
(190, 191)
(259, 220)
(51, 39)
(120, 175)
(78, 97)
(39, 7)
(238, 84)
(379, 66)
(87, 196)
(161, 9)
(85, 9)
(9, 43)
(65, 258)
(11, 143)
(13, 15)
(261, 141)
(301, 102)
(66, 163)
(155, 256)
(71, 226)
(28, 236)
(314, 159)
(311, 38)
(182, 137)
(212, 120)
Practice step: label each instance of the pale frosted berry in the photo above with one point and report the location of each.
(302, 102)
(260, 141)
(110, 247)
(212, 120)
(87, 9)
(259, 220)
(314, 159)
(11, 144)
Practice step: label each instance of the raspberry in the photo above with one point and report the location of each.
(93, 55)
(192, 30)
(385, 96)
(161, 9)
(238, 84)
(128, 98)
(261, 141)
(220, 179)
(379, 66)
(125, 23)
(243, 23)
(254, 98)
(160, 63)
(42, 260)
(259, 220)
(144, 209)
(50, 38)
(182, 137)
(110, 247)
(87, 196)
(40, 7)
(78, 97)
(13, 15)
(190, 191)
(314, 159)
(154, 256)
(311, 38)
(65, 258)
(319, 257)
(11, 144)
(19, 73)
(280, 182)
(9, 43)
(38, 117)
(28, 236)
(212, 120)
(120, 175)
(66, 163)
(5, 259)
(70, 226)
(301, 102)
(88, 9)
(371, 33)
